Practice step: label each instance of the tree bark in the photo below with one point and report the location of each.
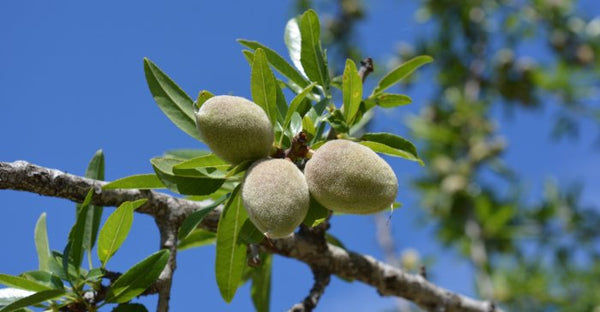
(170, 211)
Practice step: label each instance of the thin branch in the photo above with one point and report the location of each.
(322, 279)
(366, 67)
(388, 280)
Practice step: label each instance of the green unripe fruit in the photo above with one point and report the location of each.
(347, 177)
(235, 129)
(275, 195)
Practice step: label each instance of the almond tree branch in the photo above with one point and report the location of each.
(388, 280)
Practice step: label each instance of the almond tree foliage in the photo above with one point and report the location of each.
(539, 255)
(212, 210)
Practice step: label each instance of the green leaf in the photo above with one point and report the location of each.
(203, 96)
(401, 72)
(316, 214)
(192, 182)
(308, 127)
(173, 101)
(45, 278)
(22, 283)
(130, 307)
(56, 266)
(263, 85)
(281, 102)
(295, 125)
(95, 170)
(231, 251)
(138, 181)
(352, 91)
(197, 238)
(209, 160)
(311, 54)
(249, 234)
(388, 100)
(391, 144)
(78, 232)
(41, 242)
(185, 153)
(293, 41)
(192, 221)
(261, 284)
(115, 229)
(138, 278)
(278, 62)
(338, 122)
(34, 299)
(294, 104)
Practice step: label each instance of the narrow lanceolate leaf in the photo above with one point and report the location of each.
(388, 100)
(197, 238)
(192, 221)
(263, 85)
(95, 170)
(295, 103)
(41, 242)
(203, 96)
(352, 91)
(138, 181)
(138, 278)
(311, 53)
(261, 284)
(278, 62)
(173, 101)
(185, 181)
(231, 251)
(293, 41)
(391, 144)
(45, 278)
(115, 229)
(210, 160)
(401, 72)
(21, 283)
(34, 299)
(79, 233)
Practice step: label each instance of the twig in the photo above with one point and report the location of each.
(366, 67)
(322, 278)
(388, 280)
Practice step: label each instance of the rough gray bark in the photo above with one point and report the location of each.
(169, 212)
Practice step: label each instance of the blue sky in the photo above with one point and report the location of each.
(72, 82)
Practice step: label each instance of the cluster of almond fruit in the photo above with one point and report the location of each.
(341, 175)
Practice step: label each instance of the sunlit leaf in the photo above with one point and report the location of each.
(138, 181)
(41, 242)
(115, 229)
(351, 90)
(311, 54)
(192, 221)
(173, 101)
(278, 62)
(138, 278)
(261, 284)
(391, 144)
(231, 251)
(401, 72)
(293, 41)
(192, 182)
(388, 100)
(197, 238)
(263, 85)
